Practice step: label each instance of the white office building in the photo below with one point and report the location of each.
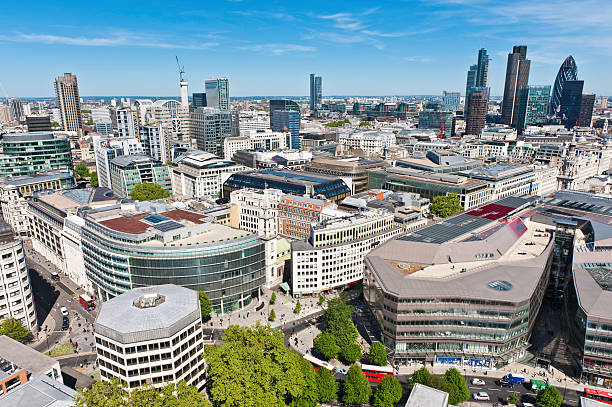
(105, 149)
(371, 142)
(256, 210)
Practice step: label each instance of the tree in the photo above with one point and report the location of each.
(272, 315)
(338, 321)
(456, 386)
(357, 389)
(102, 394)
(378, 354)
(254, 368)
(81, 170)
(445, 205)
(351, 353)
(513, 398)
(93, 179)
(364, 124)
(55, 124)
(89, 122)
(327, 386)
(148, 192)
(13, 328)
(388, 393)
(321, 300)
(273, 298)
(298, 307)
(421, 376)
(325, 344)
(205, 307)
(549, 397)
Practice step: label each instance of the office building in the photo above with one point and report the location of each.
(430, 119)
(125, 121)
(370, 142)
(532, 107)
(477, 112)
(296, 182)
(141, 246)
(451, 101)
(586, 110)
(105, 128)
(316, 91)
(285, 117)
(438, 161)
(352, 168)
(38, 123)
(69, 102)
(296, 214)
(256, 211)
(505, 179)
(482, 69)
(105, 149)
(285, 159)
(567, 72)
(155, 142)
(17, 300)
(199, 100)
(571, 100)
(209, 127)
(198, 174)
(217, 93)
(14, 193)
(517, 77)
(127, 171)
(471, 81)
(151, 336)
(32, 153)
(16, 109)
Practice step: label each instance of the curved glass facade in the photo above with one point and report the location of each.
(230, 272)
(567, 72)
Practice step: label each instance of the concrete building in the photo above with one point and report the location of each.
(256, 211)
(370, 142)
(155, 141)
(151, 335)
(69, 102)
(297, 213)
(332, 257)
(284, 159)
(16, 298)
(40, 391)
(231, 145)
(105, 149)
(127, 171)
(505, 179)
(424, 396)
(198, 174)
(354, 169)
(38, 123)
(31, 153)
(439, 161)
(486, 149)
(254, 139)
(209, 127)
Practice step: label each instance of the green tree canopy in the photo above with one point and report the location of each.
(364, 124)
(148, 192)
(272, 315)
(549, 397)
(81, 170)
(55, 124)
(445, 205)
(378, 354)
(93, 179)
(351, 353)
(89, 122)
(273, 298)
(254, 368)
(388, 393)
(298, 307)
(321, 300)
(338, 321)
(421, 376)
(325, 344)
(327, 386)
(205, 307)
(456, 386)
(103, 394)
(357, 389)
(13, 328)
(513, 398)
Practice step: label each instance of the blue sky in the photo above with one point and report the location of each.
(269, 47)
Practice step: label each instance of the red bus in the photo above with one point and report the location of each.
(599, 395)
(87, 302)
(375, 374)
(318, 364)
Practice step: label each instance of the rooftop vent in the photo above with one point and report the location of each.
(149, 300)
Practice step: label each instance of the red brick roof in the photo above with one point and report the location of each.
(124, 224)
(179, 214)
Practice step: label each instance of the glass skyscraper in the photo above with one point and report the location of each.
(316, 92)
(217, 93)
(567, 72)
(478, 78)
(532, 107)
(285, 115)
(517, 76)
(571, 99)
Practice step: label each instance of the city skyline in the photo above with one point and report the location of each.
(423, 48)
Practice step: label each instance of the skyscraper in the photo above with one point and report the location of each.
(199, 100)
(477, 113)
(482, 69)
(517, 76)
(586, 109)
(532, 107)
(285, 115)
(316, 92)
(471, 81)
(567, 72)
(69, 102)
(16, 108)
(217, 93)
(209, 126)
(451, 100)
(571, 98)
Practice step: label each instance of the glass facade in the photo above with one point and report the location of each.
(31, 153)
(430, 119)
(533, 105)
(567, 72)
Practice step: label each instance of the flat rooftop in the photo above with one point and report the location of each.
(22, 180)
(25, 357)
(31, 136)
(298, 177)
(40, 391)
(424, 396)
(75, 198)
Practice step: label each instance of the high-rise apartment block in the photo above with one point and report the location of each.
(16, 108)
(517, 77)
(69, 102)
(316, 92)
(217, 93)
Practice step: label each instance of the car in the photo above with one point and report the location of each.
(477, 382)
(528, 405)
(505, 383)
(481, 395)
(341, 371)
(65, 323)
(55, 276)
(64, 311)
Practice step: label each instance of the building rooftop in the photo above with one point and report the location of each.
(70, 200)
(436, 178)
(424, 396)
(30, 360)
(147, 313)
(126, 160)
(498, 172)
(40, 391)
(291, 176)
(32, 136)
(22, 180)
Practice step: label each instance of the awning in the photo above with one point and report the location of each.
(285, 287)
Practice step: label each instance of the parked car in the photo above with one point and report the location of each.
(64, 311)
(481, 395)
(505, 383)
(478, 382)
(65, 323)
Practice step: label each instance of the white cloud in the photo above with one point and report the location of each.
(278, 49)
(417, 58)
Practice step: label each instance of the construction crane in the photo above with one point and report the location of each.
(5, 93)
(180, 68)
(441, 123)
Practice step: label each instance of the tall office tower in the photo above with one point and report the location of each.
(16, 108)
(451, 100)
(217, 93)
(316, 92)
(69, 102)
(285, 116)
(477, 114)
(586, 109)
(235, 119)
(571, 98)
(199, 100)
(209, 127)
(482, 69)
(517, 76)
(532, 107)
(567, 72)
(471, 80)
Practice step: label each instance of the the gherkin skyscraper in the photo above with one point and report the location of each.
(567, 72)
